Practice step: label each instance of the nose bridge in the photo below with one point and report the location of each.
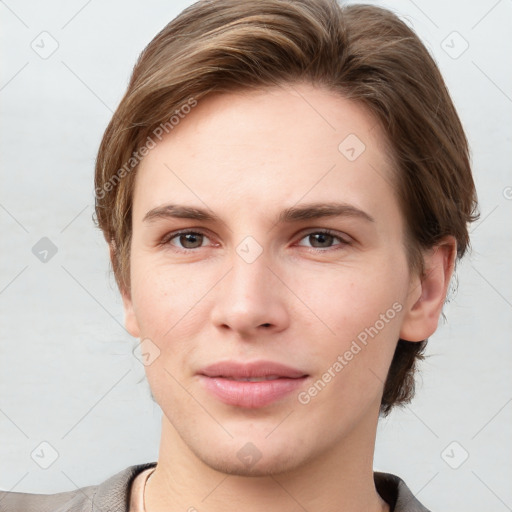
(249, 278)
(249, 296)
(249, 259)
(250, 273)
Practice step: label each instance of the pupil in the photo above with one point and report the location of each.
(322, 237)
(189, 238)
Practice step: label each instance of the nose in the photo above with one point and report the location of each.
(251, 299)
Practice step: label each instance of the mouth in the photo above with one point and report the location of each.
(251, 385)
(251, 379)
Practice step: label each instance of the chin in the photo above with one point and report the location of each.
(230, 464)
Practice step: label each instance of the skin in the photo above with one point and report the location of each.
(246, 157)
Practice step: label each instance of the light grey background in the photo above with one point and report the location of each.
(67, 373)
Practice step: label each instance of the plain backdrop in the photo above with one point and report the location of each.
(68, 377)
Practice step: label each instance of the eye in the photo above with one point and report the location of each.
(323, 239)
(187, 240)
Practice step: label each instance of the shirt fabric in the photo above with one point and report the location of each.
(115, 495)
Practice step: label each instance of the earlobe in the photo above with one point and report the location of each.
(423, 312)
(130, 319)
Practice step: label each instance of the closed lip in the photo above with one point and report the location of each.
(251, 369)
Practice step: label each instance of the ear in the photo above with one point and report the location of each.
(130, 319)
(427, 294)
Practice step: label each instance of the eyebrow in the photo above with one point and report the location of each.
(289, 215)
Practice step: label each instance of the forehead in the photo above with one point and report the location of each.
(258, 149)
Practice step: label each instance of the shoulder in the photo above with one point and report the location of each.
(395, 491)
(27, 502)
(112, 496)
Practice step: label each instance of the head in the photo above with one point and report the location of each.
(248, 109)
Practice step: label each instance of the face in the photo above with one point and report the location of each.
(291, 265)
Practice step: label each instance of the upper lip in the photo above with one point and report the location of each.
(240, 370)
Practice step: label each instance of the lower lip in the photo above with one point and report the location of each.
(250, 395)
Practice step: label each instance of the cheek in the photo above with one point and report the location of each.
(351, 365)
(348, 300)
(359, 319)
(165, 298)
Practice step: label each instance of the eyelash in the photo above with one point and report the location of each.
(170, 236)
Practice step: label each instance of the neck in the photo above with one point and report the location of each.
(341, 479)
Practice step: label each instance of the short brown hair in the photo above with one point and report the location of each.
(364, 53)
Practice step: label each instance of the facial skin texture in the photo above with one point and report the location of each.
(246, 157)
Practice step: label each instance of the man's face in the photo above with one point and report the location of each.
(249, 287)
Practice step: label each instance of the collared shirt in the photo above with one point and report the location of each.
(125, 489)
